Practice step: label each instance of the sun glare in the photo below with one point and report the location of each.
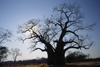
(30, 31)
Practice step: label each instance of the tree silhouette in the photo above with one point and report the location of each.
(3, 53)
(15, 53)
(58, 33)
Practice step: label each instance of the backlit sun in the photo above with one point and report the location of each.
(30, 31)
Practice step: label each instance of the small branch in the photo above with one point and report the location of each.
(85, 46)
(72, 23)
(73, 33)
(71, 42)
(71, 47)
(88, 27)
(39, 49)
(59, 24)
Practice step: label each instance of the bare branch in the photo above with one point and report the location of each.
(38, 49)
(79, 46)
(73, 33)
(71, 47)
(71, 42)
(4, 35)
(87, 46)
(88, 27)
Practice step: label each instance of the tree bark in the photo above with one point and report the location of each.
(60, 54)
(50, 58)
(56, 58)
(59, 57)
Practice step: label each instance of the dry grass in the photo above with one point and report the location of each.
(85, 63)
(31, 65)
(78, 64)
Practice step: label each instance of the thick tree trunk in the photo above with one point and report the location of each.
(60, 54)
(59, 58)
(50, 59)
(56, 58)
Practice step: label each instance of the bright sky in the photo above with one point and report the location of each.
(16, 12)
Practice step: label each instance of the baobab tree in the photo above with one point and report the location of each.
(15, 53)
(62, 31)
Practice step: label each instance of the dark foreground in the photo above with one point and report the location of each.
(53, 66)
(78, 64)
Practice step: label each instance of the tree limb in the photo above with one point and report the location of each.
(88, 27)
(71, 42)
(39, 49)
(71, 47)
(79, 46)
(73, 33)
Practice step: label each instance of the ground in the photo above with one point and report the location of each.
(78, 64)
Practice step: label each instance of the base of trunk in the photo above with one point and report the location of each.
(55, 63)
(56, 60)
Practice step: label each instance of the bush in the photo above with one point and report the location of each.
(76, 57)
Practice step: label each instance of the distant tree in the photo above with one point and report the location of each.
(76, 56)
(62, 31)
(15, 53)
(3, 53)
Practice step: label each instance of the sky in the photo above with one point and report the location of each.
(16, 12)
